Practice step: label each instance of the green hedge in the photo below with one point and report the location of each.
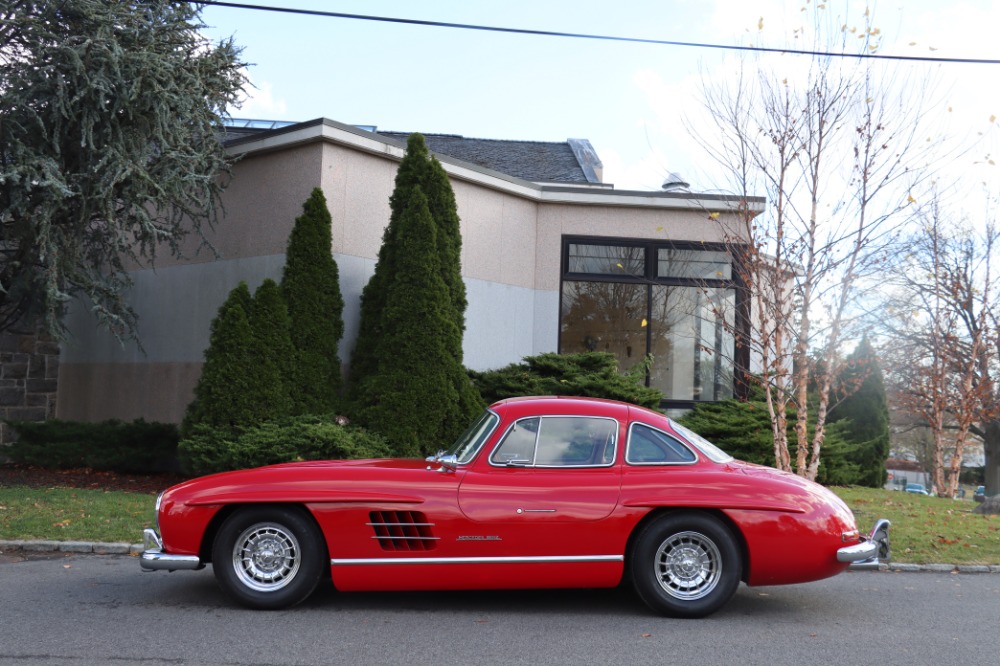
(136, 447)
(590, 374)
(310, 437)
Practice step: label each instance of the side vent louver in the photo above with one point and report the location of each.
(402, 530)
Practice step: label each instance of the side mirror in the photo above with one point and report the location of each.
(449, 463)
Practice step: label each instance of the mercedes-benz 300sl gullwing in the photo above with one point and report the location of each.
(538, 493)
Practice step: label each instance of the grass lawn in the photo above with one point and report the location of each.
(74, 514)
(924, 529)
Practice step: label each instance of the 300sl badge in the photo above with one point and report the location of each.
(478, 538)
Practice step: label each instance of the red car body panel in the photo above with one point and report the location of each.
(480, 525)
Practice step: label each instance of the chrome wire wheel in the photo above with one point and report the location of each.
(266, 557)
(688, 566)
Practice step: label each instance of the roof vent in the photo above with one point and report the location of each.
(675, 183)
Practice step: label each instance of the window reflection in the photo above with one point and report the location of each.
(684, 314)
(692, 342)
(604, 317)
(621, 260)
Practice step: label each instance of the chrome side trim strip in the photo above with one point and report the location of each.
(539, 559)
(408, 538)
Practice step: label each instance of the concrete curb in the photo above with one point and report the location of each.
(98, 548)
(93, 547)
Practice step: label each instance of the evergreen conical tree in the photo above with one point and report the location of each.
(444, 210)
(311, 287)
(364, 358)
(418, 170)
(220, 397)
(241, 381)
(412, 394)
(867, 413)
(271, 346)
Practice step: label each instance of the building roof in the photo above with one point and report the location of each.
(246, 137)
(573, 161)
(570, 161)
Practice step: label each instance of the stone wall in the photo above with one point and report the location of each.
(29, 372)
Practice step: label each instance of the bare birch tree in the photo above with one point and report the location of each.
(940, 318)
(833, 144)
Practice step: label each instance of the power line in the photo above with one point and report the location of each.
(578, 35)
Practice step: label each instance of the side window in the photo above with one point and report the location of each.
(558, 441)
(567, 441)
(518, 444)
(648, 446)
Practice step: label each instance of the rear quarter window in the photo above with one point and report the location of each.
(649, 446)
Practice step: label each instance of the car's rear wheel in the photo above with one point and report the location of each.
(268, 557)
(686, 564)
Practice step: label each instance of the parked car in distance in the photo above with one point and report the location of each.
(917, 488)
(980, 494)
(538, 493)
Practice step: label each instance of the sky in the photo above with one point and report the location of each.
(635, 103)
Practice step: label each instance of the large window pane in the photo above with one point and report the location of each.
(694, 264)
(604, 317)
(692, 342)
(618, 260)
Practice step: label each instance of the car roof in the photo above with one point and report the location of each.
(521, 407)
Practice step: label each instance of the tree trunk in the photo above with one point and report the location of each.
(991, 445)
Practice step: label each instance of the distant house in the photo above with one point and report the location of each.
(554, 259)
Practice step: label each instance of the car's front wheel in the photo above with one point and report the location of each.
(686, 564)
(268, 557)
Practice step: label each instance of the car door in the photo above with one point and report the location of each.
(556, 473)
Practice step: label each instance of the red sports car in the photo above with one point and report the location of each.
(538, 493)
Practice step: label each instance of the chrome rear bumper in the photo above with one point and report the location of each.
(872, 551)
(154, 559)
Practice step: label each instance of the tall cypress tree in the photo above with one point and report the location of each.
(418, 170)
(412, 393)
(364, 358)
(311, 287)
(271, 346)
(867, 412)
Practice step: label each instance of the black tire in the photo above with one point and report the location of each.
(268, 558)
(686, 564)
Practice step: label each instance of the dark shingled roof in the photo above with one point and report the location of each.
(535, 161)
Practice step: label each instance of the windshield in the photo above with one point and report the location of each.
(711, 451)
(465, 447)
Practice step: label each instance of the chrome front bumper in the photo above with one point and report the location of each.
(154, 559)
(872, 551)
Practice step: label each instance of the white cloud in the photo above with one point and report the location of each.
(259, 102)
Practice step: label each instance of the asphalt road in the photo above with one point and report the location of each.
(101, 610)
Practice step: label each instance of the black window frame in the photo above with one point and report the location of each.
(741, 332)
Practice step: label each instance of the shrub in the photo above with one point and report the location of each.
(138, 447)
(590, 374)
(310, 437)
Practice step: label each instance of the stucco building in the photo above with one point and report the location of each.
(553, 259)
